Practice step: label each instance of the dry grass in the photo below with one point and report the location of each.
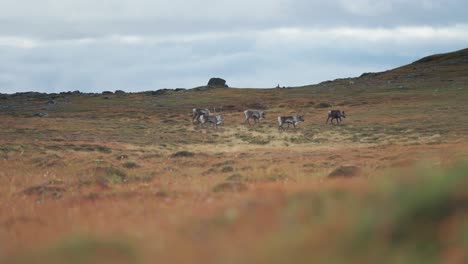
(129, 179)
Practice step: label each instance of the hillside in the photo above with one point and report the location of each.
(128, 178)
(449, 67)
(441, 69)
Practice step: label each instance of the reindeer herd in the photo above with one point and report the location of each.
(203, 116)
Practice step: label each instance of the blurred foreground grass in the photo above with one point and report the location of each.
(412, 216)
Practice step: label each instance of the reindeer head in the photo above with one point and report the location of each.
(343, 114)
(262, 115)
(219, 120)
(298, 114)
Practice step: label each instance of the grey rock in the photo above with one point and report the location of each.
(217, 82)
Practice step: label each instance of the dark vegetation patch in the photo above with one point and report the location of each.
(185, 154)
(277, 178)
(122, 157)
(145, 177)
(53, 147)
(130, 165)
(231, 186)
(235, 177)
(224, 163)
(162, 194)
(47, 161)
(323, 105)
(227, 169)
(82, 147)
(110, 175)
(210, 171)
(50, 189)
(271, 178)
(151, 156)
(345, 172)
(103, 149)
(257, 140)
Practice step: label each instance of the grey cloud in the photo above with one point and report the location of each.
(72, 18)
(145, 45)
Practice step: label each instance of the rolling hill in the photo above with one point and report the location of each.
(128, 178)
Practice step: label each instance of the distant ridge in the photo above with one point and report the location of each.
(456, 57)
(452, 66)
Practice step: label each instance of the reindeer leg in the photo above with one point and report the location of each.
(327, 120)
(294, 124)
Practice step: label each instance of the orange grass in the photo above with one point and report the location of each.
(89, 205)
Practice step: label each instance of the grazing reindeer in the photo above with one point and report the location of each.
(255, 114)
(335, 114)
(294, 120)
(215, 120)
(198, 112)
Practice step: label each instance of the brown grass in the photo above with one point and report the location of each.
(129, 179)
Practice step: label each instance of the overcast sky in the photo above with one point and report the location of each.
(136, 45)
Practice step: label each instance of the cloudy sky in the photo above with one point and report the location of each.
(136, 45)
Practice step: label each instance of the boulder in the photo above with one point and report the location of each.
(217, 82)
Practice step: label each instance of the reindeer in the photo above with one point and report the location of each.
(215, 120)
(294, 120)
(198, 112)
(335, 114)
(257, 115)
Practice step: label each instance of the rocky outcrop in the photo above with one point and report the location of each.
(217, 82)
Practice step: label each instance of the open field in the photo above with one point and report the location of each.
(128, 179)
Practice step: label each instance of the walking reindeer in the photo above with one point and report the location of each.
(215, 120)
(198, 112)
(290, 120)
(335, 115)
(256, 115)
